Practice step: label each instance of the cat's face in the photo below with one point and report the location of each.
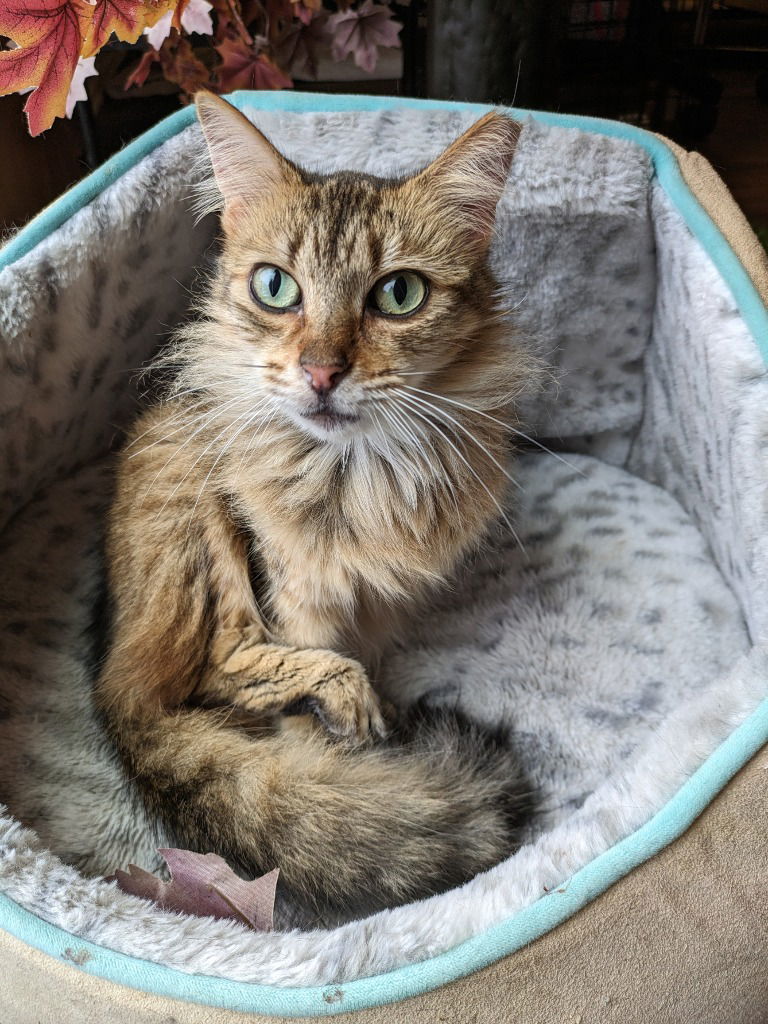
(336, 291)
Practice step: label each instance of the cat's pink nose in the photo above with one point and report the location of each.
(323, 379)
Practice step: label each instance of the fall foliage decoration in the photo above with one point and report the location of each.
(204, 885)
(222, 45)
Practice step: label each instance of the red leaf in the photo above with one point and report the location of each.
(204, 885)
(49, 35)
(127, 19)
(242, 68)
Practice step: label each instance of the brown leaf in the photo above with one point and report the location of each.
(204, 885)
(181, 65)
(243, 68)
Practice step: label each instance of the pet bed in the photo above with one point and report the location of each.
(624, 637)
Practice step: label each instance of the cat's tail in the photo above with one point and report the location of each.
(351, 830)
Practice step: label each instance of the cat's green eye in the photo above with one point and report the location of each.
(274, 288)
(399, 293)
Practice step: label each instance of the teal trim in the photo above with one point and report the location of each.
(499, 941)
(534, 921)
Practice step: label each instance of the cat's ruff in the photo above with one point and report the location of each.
(677, 397)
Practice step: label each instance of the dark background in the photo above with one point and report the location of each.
(694, 70)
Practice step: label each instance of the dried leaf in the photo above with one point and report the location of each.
(243, 68)
(48, 36)
(361, 32)
(306, 10)
(296, 49)
(180, 65)
(191, 16)
(230, 21)
(127, 19)
(204, 885)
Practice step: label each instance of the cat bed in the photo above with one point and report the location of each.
(621, 632)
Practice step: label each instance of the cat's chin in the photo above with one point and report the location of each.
(335, 427)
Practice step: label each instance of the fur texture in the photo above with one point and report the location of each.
(296, 492)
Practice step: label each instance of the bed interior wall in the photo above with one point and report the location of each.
(704, 426)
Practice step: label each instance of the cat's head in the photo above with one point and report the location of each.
(337, 293)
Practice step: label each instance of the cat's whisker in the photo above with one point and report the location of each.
(206, 398)
(412, 463)
(186, 423)
(410, 429)
(469, 466)
(261, 429)
(250, 417)
(445, 416)
(383, 434)
(494, 419)
(155, 426)
(401, 429)
(437, 466)
(174, 454)
(202, 454)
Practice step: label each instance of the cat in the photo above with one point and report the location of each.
(305, 482)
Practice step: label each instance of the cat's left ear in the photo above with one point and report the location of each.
(245, 163)
(469, 177)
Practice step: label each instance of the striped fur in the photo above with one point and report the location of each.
(260, 556)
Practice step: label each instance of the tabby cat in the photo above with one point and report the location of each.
(332, 442)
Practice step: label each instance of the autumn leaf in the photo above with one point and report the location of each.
(205, 886)
(48, 36)
(127, 19)
(243, 68)
(229, 20)
(361, 32)
(180, 65)
(190, 16)
(306, 10)
(296, 49)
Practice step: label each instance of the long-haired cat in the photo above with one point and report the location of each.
(333, 441)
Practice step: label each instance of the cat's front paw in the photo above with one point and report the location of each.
(343, 700)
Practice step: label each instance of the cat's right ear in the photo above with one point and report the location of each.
(246, 165)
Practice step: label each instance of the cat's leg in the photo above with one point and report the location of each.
(262, 677)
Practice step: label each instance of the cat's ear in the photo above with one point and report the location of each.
(469, 177)
(245, 163)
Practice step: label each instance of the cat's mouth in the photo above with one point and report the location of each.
(330, 419)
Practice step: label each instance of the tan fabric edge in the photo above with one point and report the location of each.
(682, 938)
(712, 192)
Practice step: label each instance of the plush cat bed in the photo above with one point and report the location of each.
(622, 633)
